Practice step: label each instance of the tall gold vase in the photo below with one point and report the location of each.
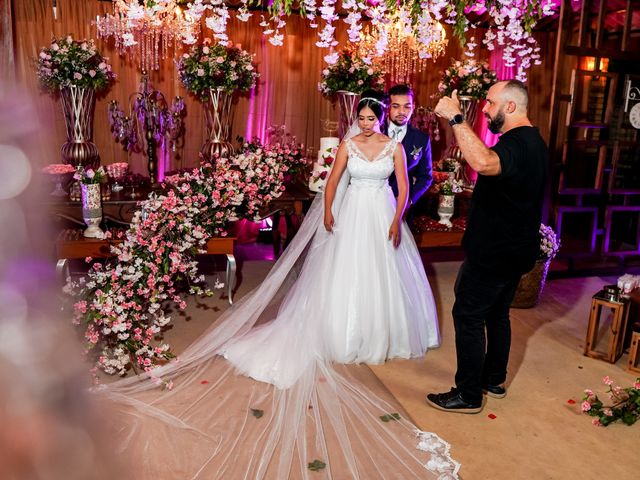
(469, 107)
(218, 113)
(78, 105)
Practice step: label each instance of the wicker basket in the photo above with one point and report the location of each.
(531, 285)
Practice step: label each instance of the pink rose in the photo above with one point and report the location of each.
(92, 73)
(77, 76)
(200, 72)
(205, 50)
(606, 380)
(596, 422)
(586, 406)
(636, 385)
(219, 60)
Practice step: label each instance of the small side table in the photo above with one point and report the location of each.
(619, 315)
(72, 244)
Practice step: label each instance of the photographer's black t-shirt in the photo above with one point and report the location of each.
(502, 232)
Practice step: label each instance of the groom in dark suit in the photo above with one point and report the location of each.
(417, 146)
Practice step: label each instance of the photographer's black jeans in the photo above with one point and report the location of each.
(482, 305)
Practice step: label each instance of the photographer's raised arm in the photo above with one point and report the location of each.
(475, 152)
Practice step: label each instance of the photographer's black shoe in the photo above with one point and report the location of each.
(452, 401)
(495, 391)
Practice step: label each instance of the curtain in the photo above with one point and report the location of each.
(287, 92)
(7, 59)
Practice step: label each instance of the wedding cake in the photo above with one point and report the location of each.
(322, 166)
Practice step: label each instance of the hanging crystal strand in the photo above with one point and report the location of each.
(157, 38)
(146, 52)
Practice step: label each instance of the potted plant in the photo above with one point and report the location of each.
(76, 70)
(531, 284)
(347, 78)
(446, 200)
(90, 181)
(213, 73)
(472, 79)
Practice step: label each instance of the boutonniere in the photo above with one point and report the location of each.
(415, 153)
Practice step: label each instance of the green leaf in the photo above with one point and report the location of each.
(390, 417)
(317, 465)
(257, 413)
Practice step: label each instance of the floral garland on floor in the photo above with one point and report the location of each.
(123, 306)
(624, 405)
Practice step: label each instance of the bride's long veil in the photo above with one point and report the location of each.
(215, 423)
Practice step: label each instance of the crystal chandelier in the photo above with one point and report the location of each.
(402, 47)
(149, 28)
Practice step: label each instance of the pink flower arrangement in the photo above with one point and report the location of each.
(469, 77)
(217, 66)
(58, 169)
(625, 404)
(73, 63)
(89, 175)
(122, 306)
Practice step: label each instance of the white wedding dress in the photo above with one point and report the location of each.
(358, 299)
(332, 301)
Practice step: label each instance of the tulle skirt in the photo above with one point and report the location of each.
(330, 299)
(358, 299)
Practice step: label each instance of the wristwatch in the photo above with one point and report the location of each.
(456, 120)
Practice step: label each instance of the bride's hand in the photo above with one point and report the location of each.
(394, 233)
(328, 221)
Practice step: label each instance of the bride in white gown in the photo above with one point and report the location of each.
(349, 289)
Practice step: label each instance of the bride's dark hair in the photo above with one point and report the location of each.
(376, 101)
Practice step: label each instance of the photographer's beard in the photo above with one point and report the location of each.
(496, 123)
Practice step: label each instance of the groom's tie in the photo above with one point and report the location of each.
(395, 133)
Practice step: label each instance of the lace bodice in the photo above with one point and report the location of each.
(365, 172)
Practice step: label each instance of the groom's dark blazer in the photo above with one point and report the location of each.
(417, 149)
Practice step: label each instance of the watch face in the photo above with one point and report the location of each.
(458, 118)
(634, 116)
